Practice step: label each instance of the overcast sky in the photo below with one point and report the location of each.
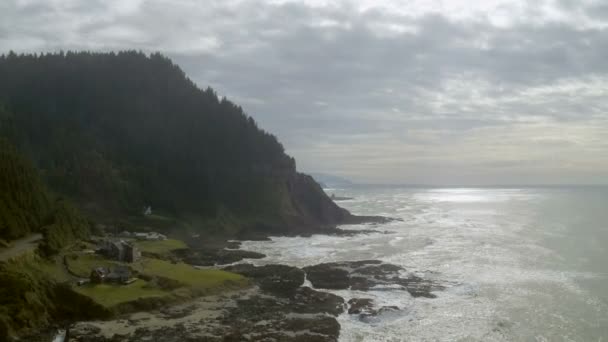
(409, 91)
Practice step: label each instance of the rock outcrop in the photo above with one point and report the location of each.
(315, 211)
(274, 279)
(214, 256)
(366, 275)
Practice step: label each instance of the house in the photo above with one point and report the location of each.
(125, 234)
(130, 253)
(151, 236)
(117, 275)
(120, 250)
(98, 275)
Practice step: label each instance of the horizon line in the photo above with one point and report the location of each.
(471, 185)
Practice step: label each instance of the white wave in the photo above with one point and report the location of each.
(492, 250)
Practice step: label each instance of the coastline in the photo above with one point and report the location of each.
(284, 302)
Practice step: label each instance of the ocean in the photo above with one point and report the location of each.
(517, 264)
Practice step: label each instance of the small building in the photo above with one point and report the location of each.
(151, 236)
(98, 275)
(125, 234)
(119, 275)
(130, 253)
(116, 275)
(120, 250)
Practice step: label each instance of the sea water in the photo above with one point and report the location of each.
(517, 264)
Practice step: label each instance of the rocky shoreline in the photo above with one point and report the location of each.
(284, 303)
(278, 307)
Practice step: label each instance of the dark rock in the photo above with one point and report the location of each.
(365, 308)
(323, 325)
(275, 279)
(360, 305)
(328, 276)
(307, 315)
(211, 257)
(280, 308)
(84, 329)
(373, 316)
(310, 201)
(367, 275)
(177, 312)
(307, 300)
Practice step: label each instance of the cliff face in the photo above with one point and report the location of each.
(313, 206)
(118, 132)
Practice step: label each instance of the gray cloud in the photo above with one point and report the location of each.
(508, 94)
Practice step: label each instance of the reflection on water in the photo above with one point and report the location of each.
(518, 264)
(468, 195)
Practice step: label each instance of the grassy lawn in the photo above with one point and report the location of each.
(189, 280)
(82, 264)
(110, 295)
(188, 275)
(160, 247)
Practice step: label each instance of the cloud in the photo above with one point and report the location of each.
(380, 91)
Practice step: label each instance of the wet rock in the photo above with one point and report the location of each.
(307, 300)
(367, 275)
(366, 310)
(176, 312)
(374, 316)
(84, 329)
(275, 279)
(328, 276)
(212, 257)
(360, 305)
(308, 315)
(279, 308)
(323, 325)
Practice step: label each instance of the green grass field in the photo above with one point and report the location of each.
(189, 281)
(82, 264)
(188, 275)
(110, 295)
(160, 247)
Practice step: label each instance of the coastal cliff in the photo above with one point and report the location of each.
(117, 132)
(88, 140)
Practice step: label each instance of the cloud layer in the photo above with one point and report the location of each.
(443, 92)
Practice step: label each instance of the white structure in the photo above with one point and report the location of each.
(152, 236)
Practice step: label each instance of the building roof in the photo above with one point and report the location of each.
(101, 271)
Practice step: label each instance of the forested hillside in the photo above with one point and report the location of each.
(27, 207)
(119, 131)
(24, 201)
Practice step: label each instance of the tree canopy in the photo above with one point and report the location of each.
(123, 130)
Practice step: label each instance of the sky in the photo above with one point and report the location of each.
(459, 92)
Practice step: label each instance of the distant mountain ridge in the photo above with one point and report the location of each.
(331, 181)
(119, 131)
